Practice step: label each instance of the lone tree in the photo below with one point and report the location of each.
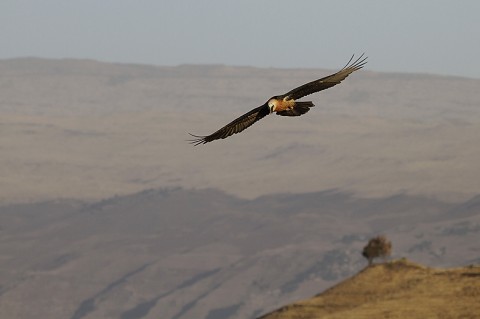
(378, 246)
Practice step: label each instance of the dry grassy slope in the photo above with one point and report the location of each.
(397, 289)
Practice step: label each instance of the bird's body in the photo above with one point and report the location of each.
(281, 104)
(285, 105)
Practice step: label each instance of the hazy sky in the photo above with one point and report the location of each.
(429, 36)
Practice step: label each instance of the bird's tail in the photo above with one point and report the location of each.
(299, 109)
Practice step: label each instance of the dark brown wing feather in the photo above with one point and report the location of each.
(328, 81)
(235, 126)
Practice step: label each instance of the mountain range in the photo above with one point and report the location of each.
(106, 211)
(92, 130)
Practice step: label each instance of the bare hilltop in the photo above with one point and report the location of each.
(397, 289)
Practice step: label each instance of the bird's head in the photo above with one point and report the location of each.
(272, 104)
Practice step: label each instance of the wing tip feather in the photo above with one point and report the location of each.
(357, 64)
(197, 139)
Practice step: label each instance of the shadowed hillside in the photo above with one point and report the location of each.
(397, 289)
(205, 254)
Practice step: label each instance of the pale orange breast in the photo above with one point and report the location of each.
(283, 105)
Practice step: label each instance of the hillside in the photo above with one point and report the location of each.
(107, 212)
(90, 130)
(397, 289)
(180, 254)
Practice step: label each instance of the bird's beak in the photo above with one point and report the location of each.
(271, 108)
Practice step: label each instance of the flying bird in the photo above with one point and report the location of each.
(285, 104)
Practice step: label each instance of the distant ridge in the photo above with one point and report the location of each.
(396, 289)
(62, 122)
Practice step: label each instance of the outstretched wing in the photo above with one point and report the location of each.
(235, 126)
(328, 81)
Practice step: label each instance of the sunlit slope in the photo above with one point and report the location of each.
(397, 289)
